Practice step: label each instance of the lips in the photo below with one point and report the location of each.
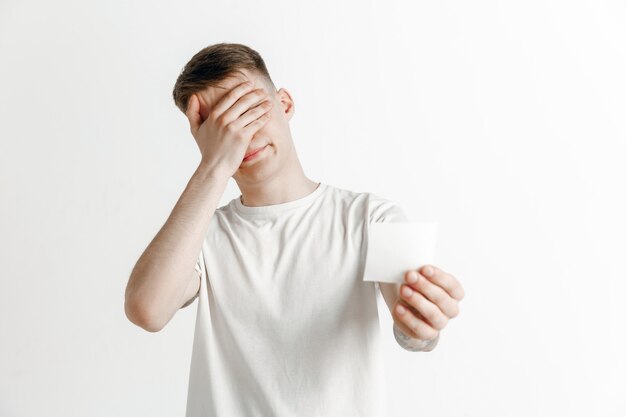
(254, 151)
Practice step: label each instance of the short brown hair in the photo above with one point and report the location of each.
(213, 64)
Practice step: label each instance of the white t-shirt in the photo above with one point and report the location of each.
(286, 326)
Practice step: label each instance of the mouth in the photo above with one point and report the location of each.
(254, 152)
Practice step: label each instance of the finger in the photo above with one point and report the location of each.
(230, 98)
(246, 102)
(444, 280)
(412, 325)
(253, 114)
(257, 124)
(429, 310)
(436, 295)
(193, 113)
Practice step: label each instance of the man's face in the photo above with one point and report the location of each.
(275, 132)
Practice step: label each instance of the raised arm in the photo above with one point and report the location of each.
(164, 275)
(164, 278)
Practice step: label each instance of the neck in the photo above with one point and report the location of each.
(277, 190)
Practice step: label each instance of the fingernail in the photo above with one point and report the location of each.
(428, 271)
(400, 309)
(412, 277)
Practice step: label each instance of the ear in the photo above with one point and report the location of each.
(286, 102)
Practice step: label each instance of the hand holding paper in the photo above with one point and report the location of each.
(400, 253)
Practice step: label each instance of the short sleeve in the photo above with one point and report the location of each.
(198, 267)
(199, 270)
(382, 210)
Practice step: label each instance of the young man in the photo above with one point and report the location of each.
(285, 324)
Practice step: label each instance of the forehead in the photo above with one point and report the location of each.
(213, 93)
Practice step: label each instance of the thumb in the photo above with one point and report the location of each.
(193, 113)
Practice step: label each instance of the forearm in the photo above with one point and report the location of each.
(161, 274)
(412, 344)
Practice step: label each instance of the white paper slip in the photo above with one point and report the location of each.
(394, 248)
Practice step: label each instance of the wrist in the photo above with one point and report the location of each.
(411, 343)
(210, 172)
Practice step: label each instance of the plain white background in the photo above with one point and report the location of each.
(504, 121)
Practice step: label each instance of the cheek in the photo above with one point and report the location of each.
(272, 125)
(276, 109)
